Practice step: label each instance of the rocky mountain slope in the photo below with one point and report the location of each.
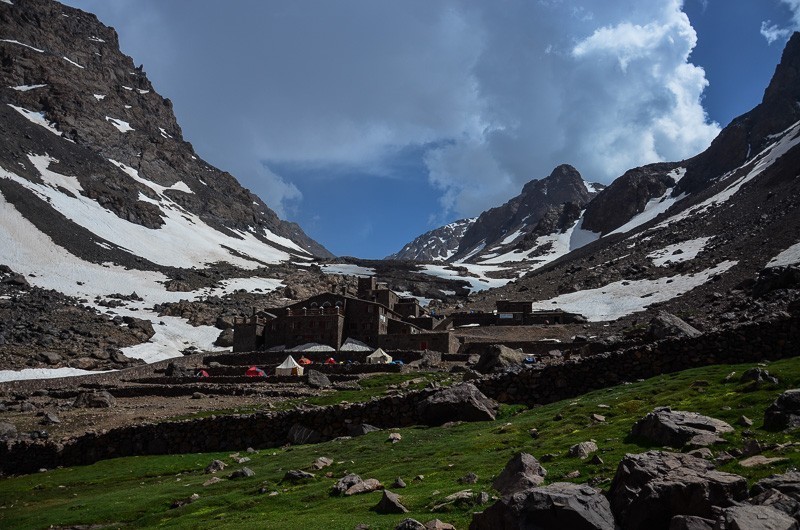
(546, 206)
(106, 209)
(718, 248)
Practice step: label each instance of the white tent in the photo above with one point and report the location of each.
(379, 357)
(289, 367)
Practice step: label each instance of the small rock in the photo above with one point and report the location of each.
(215, 465)
(573, 474)
(760, 460)
(690, 522)
(752, 447)
(784, 412)
(184, 502)
(469, 478)
(345, 483)
(583, 449)
(365, 486)
(703, 452)
(534, 433)
(752, 517)
(27, 406)
(99, 400)
(297, 475)
(212, 480)
(395, 437)
(744, 421)
(198, 395)
(599, 418)
(419, 478)
(409, 524)
(596, 460)
(436, 524)
(390, 503)
(758, 376)
(50, 418)
(399, 483)
(245, 472)
(8, 431)
(321, 462)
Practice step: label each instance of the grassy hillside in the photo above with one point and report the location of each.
(138, 491)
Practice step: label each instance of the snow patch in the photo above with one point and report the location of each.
(22, 44)
(790, 256)
(688, 251)
(164, 133)
(121, 125)
(70, 61)
(622, 298)
(652, 209)
(43, 373)
(99, 97)
(25, 88)
(37, 118)
(347, 269)
(480, 283)
(95, 39)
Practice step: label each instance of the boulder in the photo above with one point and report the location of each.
(778, 500)
(461, 499)
(784, 413)
(759, 376)
(786, 483)
(360, 429)
(297, 475)
(676, 428)
(225, 338)
(365, 486)
(583, 449)
(345, 483)
(215, 466)
(245, 472)
(390, 503)
(317, 379)
(651, 488)
(409, 524)
(498, 358)
(436, 524)
(665, 325)
(98, 400)
(462, 402)
(690, 522)
(747, 517)
(559, 505)
(322, 462)
(523, 471)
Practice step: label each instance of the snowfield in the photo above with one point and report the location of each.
(687, 250)
(790, 256)
(623, 298)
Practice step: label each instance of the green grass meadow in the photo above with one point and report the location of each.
(138, 491)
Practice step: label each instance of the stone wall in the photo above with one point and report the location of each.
(747, 343)
(225, 433)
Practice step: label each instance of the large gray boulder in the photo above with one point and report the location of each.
(665, 325)
(558, 506)
(781, 492)
(784, 413)
(747, 517)
(317, 379)
(462, 402)
(522, 472)
(649, 489)
(98, 400)
(498, 358)
(677, 428)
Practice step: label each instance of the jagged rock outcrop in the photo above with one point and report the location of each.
(650, 488)
(627, 196)
(784, 413)
(522, 472)
(437, 245)
(676, 428)
(61, 66)
(558, 505)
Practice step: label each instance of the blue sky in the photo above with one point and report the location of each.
(371, 122)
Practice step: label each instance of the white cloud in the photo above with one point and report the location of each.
(773, 32)
(504, 93)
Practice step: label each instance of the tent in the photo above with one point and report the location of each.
(330, 360)
(255, 372)
(201, 373)
(379, 357)
(304, 361)
(289, 367)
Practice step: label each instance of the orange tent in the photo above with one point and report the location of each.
(255, 372)
(304, 361)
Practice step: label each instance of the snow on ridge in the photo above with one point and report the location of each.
(481, 283)
(53, 267)
(347, 269)
(25, 88)
(158, 188)
(677, 174)
(625, 297)
(164, 133)
(652, 209)
(591, 187)
(688, 251)
(121, 125)
(790, 256)
(70, 61)
(94, 38)
(38, 118)
(142, 92)
(184, 240)
(9, 2)
(22, 44)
